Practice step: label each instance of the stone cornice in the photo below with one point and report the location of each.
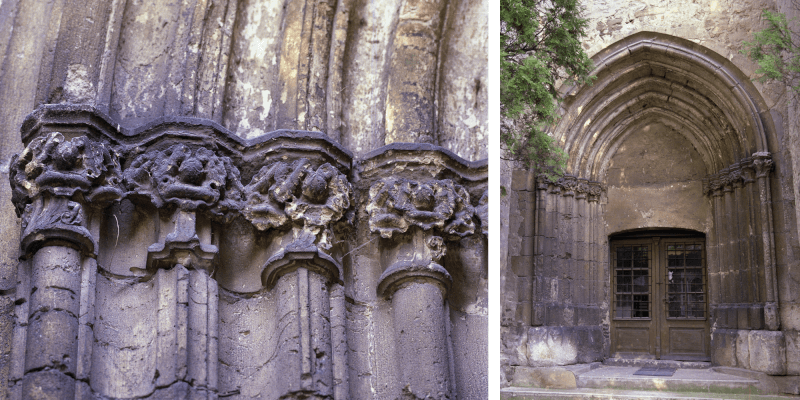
(422, 161)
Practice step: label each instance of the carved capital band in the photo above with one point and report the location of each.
(571, 186)
(395, 204)
(738, 174)
(52, 181)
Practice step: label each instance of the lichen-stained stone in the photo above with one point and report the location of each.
(767, 352)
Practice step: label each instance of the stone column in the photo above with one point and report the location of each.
(301, 270)
(541, 238)
(193, 182)
(715, 268)
(413, 214)
(53, 182)
(763, 165)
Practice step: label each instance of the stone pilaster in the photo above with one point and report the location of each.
(763, 166)
(184, 181)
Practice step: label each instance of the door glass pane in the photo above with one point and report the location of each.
(632, 282)
(685, 281)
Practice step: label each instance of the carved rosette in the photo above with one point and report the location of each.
(440, 209)
(306, 200)
(53, 180)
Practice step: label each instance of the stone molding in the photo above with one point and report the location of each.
(738, 174)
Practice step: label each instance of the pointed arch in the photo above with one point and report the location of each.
(653, 76)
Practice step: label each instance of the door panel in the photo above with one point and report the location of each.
(659, 296)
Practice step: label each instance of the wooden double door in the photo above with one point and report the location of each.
(659, 304)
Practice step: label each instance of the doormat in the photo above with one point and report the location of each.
(656, 371)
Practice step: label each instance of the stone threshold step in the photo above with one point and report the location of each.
(647, 362)
(683, 380)
(519, 393)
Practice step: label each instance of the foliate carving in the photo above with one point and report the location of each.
(64, 168)
(395, 204)
(571, 186)
(185, 177)
(482, 211)
(282, 192)
(738, 174)
(763, 164)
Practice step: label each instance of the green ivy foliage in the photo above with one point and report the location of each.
(776, 52)
(540, 48)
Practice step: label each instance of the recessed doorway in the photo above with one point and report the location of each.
(659, 296)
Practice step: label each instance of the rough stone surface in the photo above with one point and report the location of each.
(544, 377)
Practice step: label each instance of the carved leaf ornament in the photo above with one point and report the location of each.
(184, 177)
(397, 204)
(64, 168)
(284, 192)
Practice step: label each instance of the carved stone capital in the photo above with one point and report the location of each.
(763, 164)
(738, 174)
(186, 177)
(63, 167)
(306, 199)
(482, 211)
(284, 192)
(53, 180)
(395, 204)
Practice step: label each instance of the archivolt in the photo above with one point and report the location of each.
(649, 77)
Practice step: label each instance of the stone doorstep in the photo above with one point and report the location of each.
(684, 380)
(719, 380)
(645, 362)
(519, 393)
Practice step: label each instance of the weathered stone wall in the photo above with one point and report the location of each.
(264, 264)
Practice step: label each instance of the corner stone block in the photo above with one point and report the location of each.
(723, 347)
(792, 352)
(551, 346)
(548, 378)
(768, 352)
